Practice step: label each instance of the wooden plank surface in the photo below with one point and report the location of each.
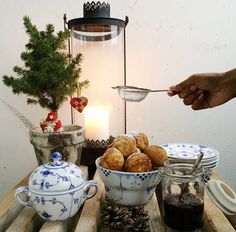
(26, 221)
(54, 227)
(9, 209)
(155, 222)
(87, 219)
(215, 220)
(90, 213)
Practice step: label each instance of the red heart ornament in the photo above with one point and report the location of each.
(79, 103)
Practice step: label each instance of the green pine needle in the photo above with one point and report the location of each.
(48, 77)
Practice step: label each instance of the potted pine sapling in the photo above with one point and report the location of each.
(49, 78)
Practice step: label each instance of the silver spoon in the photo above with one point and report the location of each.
(193, 172)
(134, 94)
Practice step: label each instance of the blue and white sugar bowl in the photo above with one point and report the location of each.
(56, 190)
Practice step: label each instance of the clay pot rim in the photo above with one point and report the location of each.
(67, 129)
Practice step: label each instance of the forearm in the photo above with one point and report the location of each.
(229, 82)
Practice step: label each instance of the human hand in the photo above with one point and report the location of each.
(206, 90)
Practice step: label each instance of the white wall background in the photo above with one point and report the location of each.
(166, 42)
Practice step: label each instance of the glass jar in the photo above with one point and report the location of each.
(183, 196)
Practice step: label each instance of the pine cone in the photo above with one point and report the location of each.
(124, 218)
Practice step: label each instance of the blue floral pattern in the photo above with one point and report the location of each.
(129, 188)
(45, 204)
(46, 215)
(46, 184)
(48, 178)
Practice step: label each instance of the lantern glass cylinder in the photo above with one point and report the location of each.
(102, 44)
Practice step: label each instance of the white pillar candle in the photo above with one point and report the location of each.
(96, 123)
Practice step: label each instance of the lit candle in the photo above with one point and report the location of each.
(96, 120)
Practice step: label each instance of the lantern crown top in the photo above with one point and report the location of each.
(96, 10)
(96, 24)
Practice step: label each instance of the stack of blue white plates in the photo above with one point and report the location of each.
(188, 153)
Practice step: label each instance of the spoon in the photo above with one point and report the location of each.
(134, 94)
(193, 171)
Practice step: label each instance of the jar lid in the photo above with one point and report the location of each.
(222, 195)
(56, 176)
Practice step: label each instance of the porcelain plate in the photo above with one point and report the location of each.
(190, 152)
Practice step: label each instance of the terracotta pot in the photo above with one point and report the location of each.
(68, 143)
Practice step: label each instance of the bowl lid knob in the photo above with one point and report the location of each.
(56, 157)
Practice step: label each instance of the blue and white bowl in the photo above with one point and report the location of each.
(56, 190)
(128, 188)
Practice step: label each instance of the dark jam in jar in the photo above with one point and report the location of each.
(183, 212)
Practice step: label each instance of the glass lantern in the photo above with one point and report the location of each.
(101, 41)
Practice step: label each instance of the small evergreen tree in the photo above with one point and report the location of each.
(49, 75)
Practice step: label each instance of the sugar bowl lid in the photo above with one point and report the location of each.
(56, 176)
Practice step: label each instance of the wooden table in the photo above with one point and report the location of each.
(15, 218)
